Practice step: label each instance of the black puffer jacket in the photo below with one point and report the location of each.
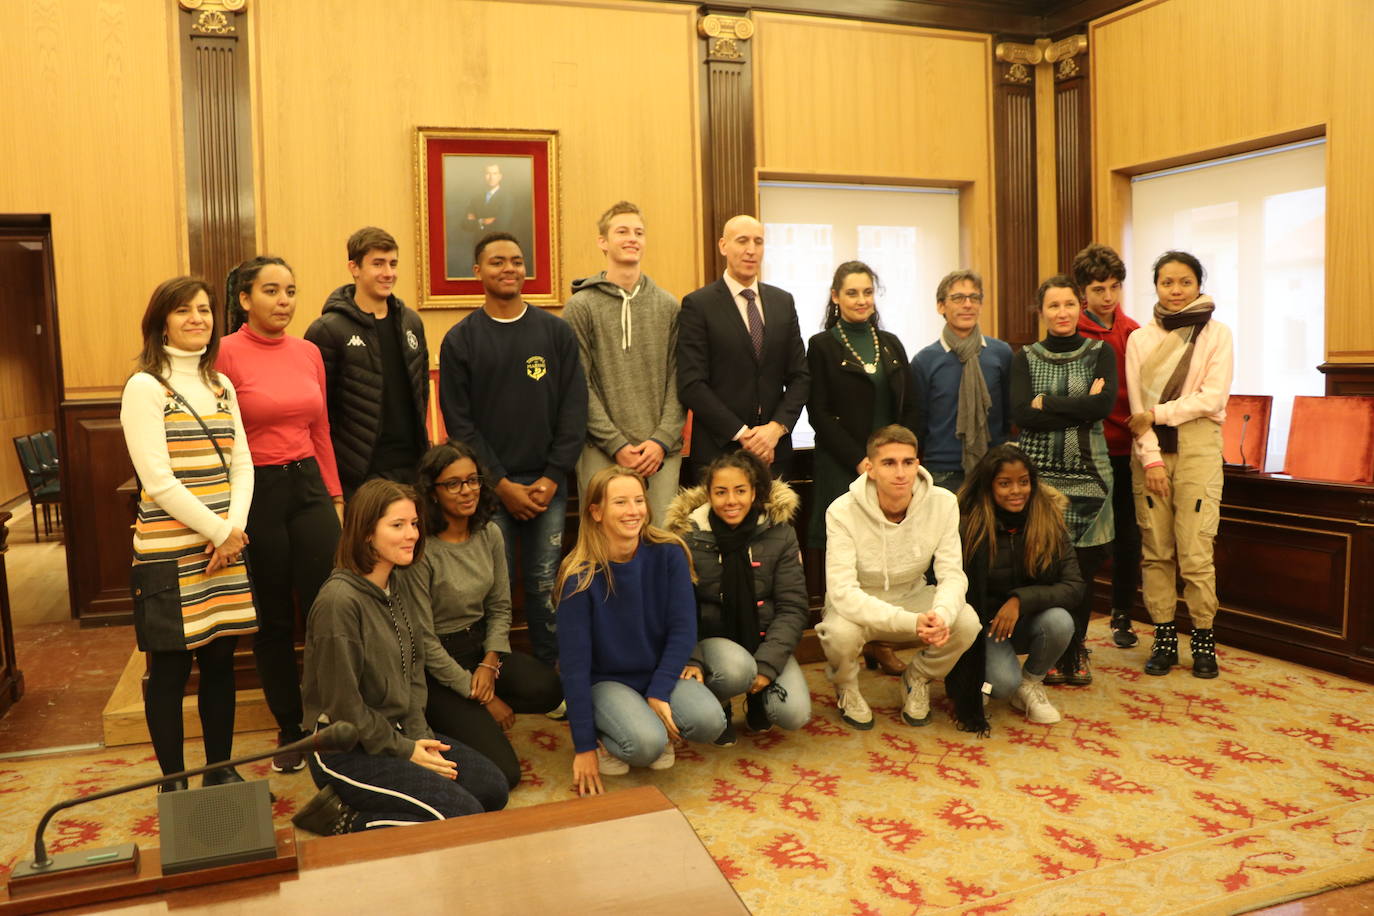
(347, 338)
(1061, 585)
(779, 583)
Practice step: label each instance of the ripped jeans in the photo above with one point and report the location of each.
(541, 547)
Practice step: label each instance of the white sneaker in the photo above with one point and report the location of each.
(916, 707)
(666, 759)
(609, 764)
(854, 710)
(558, 714)
(1030, 699)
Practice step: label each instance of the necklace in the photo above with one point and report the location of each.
(870, 368)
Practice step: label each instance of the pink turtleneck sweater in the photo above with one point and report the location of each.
(280, 387)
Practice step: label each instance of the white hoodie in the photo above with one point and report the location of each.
(875, 569)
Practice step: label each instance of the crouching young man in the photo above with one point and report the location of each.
(881, 537)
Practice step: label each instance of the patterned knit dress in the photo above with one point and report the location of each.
(220, 604)
(1073, 460)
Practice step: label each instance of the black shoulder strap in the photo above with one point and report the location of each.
(176, 396)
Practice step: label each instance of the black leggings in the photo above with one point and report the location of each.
(292, 533)
(1090, 560)
(167, 676)
(526, 684)
(1126, 546)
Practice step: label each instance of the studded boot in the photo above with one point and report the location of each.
(1164, 653)
(1121, 629)
(1204, 647)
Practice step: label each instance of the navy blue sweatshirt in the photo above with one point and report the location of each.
(515, 391)
(640, 635)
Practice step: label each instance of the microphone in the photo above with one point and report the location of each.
(1245, 422)
(340, 736)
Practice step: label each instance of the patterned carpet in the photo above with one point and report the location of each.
(1154, 795)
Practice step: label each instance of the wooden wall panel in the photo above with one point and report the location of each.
(26, 396)
(841, 98)
(1175, 78)
(340, 97)
(1014, 117)
(93, 86)
(96, 517)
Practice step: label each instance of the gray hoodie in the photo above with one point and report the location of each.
(629, 350)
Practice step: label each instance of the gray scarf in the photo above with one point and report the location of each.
(971, 424)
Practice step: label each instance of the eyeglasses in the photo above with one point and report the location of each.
(456, 485)
(958, 298)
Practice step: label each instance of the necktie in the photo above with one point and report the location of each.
(755, 321)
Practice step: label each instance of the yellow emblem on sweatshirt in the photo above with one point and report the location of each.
(536, 368)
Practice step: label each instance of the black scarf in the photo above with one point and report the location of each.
(739, 610)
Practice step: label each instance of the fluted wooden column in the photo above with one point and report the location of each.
(727, 127)
(1072, 145)
(1014, 152)
(217, 135)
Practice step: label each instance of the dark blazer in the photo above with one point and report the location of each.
(841, 401)
(722, 383)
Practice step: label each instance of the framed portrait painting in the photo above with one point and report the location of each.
(472, 182)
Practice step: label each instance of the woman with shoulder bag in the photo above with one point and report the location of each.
(190, 583)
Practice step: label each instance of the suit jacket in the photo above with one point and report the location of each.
(720, 380)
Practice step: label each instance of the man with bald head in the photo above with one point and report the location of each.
(741, 366)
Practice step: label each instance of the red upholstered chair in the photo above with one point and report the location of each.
(1332, 438)
(1245, 434)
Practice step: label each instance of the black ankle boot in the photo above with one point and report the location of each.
(1121, 629)
(1164, 653)
(1204, 647)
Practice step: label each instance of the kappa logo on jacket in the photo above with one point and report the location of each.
(536, 368)
(412, 339)
(355, 341)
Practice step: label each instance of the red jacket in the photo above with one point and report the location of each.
(1115, 426)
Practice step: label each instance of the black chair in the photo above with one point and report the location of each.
(45, 489)
(45, 444)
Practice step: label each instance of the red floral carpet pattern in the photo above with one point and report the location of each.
(1153, 795)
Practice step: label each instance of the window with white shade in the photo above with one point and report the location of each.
(1257, 222)
(908, 235)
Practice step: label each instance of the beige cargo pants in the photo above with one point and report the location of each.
(1176, 534)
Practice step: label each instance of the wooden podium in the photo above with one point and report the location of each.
(626, 852)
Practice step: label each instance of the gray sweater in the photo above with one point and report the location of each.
(629, 350)
(452, 587)
(363, 664)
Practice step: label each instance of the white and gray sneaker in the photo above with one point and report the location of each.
(1030, 698)
(854, 710)
(666, 759)
(607, 764)
(916, 707)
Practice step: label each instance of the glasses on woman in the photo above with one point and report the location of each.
(458, 485)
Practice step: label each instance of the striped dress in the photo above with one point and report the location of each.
(220, 604)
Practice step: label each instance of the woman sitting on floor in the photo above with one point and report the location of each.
(626, 626)
(751, 591)
(364, 664)
(1022, 576)
(460, 593)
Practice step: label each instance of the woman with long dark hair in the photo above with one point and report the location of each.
(1022, 575)
(364, 664)
(860, 382)
(1179, 366)
(293, 525)
(627, 623)
(460, 592)
(1062, 388)
(191, 590)
(752, 605)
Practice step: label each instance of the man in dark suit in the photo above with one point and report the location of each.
(492, 210)
(741, 366)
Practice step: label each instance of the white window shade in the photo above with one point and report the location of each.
(1257, 223)
(909, 236)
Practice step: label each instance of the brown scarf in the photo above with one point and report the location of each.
(1164, 371)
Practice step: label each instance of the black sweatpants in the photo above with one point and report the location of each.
(293, 531)
(1126, 547)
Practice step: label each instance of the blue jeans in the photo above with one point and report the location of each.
(1041, 637)
(541, 547)
(730, 670)
(950, 480)
(633, 732)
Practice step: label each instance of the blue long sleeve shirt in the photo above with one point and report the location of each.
(641, 634)
(936, 373)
